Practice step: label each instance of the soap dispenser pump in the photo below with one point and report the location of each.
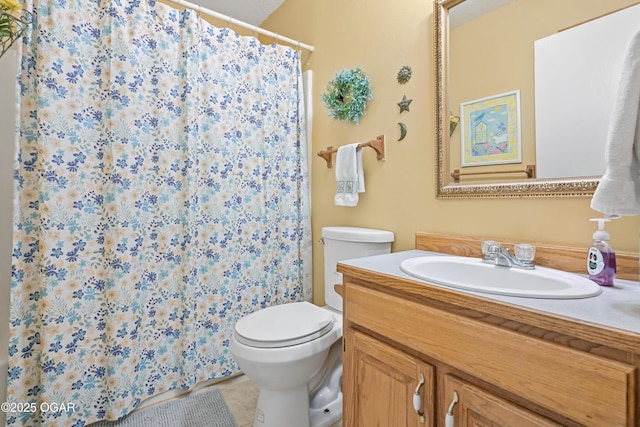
(601, 261)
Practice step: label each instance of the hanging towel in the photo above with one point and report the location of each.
(349, 175)
(618, 192)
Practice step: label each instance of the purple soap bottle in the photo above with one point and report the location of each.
(601, 261)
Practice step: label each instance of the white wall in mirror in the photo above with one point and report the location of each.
(469, 10)
(577, 71)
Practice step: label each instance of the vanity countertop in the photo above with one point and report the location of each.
(617, 307)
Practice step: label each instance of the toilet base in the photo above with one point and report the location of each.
(278, 408)
(290, 408)
(330, 414)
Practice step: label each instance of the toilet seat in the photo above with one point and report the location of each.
(284, 325)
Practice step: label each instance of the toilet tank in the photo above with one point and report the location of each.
(342, 243)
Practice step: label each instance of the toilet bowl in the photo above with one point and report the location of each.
(293, 351)
(285, 364)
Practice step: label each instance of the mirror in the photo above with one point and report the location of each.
(485, 60)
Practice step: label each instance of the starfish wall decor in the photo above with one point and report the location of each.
(404, 104)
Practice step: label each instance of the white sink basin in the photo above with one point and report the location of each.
(474, 275)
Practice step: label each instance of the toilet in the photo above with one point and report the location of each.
(293, 352)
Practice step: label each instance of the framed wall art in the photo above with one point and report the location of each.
(491, 130)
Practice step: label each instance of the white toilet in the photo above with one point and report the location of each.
(293, 352)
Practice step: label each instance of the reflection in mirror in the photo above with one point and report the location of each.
(575, 90)
(486, 71)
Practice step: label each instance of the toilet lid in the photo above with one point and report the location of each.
(284, 325)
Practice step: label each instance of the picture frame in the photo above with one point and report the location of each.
(491, 132)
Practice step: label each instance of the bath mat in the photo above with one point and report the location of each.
(202, 409)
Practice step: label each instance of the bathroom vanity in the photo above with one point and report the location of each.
(489, 360)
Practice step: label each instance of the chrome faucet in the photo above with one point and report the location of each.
(494, 253)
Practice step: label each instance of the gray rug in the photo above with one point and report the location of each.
(203, 409)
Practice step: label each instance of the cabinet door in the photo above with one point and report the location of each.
(379, 383)
(478, 408)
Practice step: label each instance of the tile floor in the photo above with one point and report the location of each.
(241, 396)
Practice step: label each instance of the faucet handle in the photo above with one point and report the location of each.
(524, 252)
(490, 247)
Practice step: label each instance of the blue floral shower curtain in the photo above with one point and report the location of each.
(161, 193)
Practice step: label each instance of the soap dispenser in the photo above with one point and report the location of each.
(601, 261)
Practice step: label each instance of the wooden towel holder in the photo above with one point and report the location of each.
(530, 171)
(377, 144)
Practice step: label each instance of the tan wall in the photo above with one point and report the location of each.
(381, 36)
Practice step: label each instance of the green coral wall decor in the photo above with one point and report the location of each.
(404, 75)
(347, 95)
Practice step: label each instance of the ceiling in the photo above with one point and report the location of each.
(253, 12)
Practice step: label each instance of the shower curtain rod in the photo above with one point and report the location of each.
(233, 21)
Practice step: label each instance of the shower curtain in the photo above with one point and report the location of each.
(161, 192)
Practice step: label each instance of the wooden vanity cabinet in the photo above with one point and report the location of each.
(476, 407)
(385, 380)
(506, 373)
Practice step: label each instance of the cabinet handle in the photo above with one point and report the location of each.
(417, 400)
(449, 422)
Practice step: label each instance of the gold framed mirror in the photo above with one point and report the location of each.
(515, 178)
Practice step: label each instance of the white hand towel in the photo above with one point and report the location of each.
(349, 175)
(360, 170)
(618, 192)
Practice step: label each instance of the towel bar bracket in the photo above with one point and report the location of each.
(377, 144)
